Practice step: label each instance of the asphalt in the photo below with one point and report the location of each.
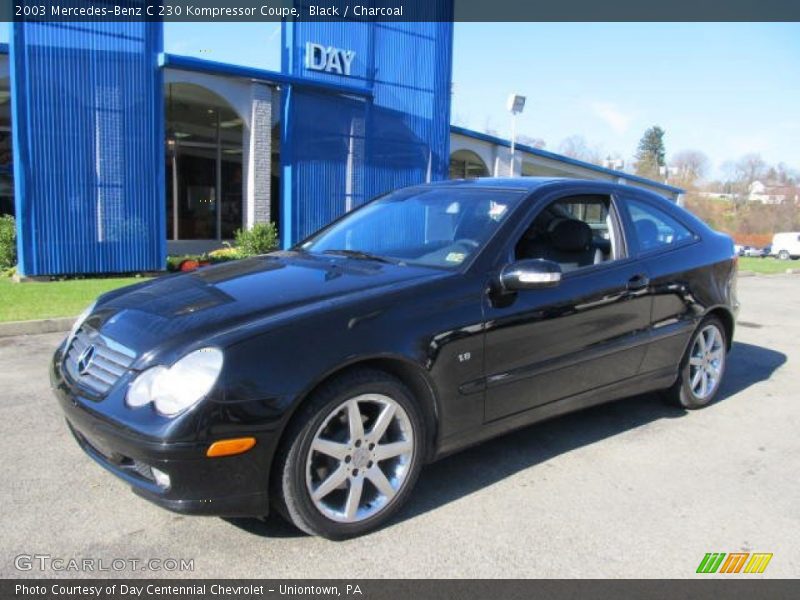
(631, 489)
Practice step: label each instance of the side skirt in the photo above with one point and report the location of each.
(640, 384)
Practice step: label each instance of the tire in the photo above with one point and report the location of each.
(330, 478)
(697, 385)
(783, 255)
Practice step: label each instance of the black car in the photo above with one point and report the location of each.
(318, 381)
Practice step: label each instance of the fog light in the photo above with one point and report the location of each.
(162, 479)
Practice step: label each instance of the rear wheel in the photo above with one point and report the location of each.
(352, 456)
(784, 255)
(703, 366)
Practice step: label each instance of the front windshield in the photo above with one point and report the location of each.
(436, 227)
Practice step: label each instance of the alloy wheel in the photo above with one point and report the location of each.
(706, 361)
(359, 458)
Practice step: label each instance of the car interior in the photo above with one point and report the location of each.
(575, 232)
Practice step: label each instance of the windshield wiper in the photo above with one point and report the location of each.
(358, 254)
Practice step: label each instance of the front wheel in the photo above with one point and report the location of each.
(784, 255)
(703, 366)
(352, 456)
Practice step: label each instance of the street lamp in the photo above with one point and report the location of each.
(515, 105)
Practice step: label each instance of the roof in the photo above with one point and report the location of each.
(518, 183)
(564, 159)
(530, 184)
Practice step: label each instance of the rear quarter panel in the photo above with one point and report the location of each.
(687, 283)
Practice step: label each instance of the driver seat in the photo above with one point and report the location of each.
(567, 242)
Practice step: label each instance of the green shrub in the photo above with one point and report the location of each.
(262, 238)
(8, 242)
(225, 254)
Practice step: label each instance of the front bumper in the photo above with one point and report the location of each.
(232, 486)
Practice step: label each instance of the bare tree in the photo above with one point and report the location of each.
(529, 140)
(740, 175)
(575, 146)
(692, 166)
(750, 167)
(489, 128)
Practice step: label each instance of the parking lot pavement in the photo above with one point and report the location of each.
(631, 489)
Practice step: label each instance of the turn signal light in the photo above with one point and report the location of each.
(230, 447)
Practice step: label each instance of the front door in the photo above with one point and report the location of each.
(549, 344)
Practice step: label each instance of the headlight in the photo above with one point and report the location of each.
(175, 389)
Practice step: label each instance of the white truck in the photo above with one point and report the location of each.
(786, 245)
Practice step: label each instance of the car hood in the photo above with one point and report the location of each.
(172, 310)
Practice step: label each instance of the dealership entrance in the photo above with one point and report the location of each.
(203, 166)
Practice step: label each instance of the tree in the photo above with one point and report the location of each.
(489, 128)
(531, 141)
(740, 175)
(750, 168)
(650, 153)
(691, 165)
(575, 146)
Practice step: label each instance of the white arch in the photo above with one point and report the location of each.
(484, 150)
(234, 91)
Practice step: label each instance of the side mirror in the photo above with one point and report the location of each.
(530, 274)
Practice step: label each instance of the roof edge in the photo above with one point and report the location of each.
(561, 158)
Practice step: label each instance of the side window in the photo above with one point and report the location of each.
(653, 227)
(575, 232)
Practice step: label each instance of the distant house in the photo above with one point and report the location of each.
(773, 194)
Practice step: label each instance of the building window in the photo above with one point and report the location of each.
(6, 155)
(465, 164)
(204, 164)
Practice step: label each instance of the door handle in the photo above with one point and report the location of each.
(638, 282)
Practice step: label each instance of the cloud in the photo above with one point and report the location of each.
(612, 116)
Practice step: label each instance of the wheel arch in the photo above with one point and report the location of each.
(409, 373)
(725, 315)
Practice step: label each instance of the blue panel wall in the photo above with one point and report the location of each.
(339, 151)
(88, 147)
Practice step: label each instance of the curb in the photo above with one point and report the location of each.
(35, 327)
(756, 274)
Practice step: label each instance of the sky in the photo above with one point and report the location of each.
(726, 89)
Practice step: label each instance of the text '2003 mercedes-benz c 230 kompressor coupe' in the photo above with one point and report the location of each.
(318, 381)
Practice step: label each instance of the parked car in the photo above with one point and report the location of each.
(786, 245)
(766, 251)
(317, 381)
(754, 252)
(738, 249)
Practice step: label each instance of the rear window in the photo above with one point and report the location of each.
(654, 228)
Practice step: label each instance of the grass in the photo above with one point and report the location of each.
(766, 266)
(43, 300)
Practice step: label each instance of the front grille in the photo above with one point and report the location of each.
(102, 367)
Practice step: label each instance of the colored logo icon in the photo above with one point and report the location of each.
(735, 562)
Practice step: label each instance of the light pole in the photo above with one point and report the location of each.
(515, 105)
